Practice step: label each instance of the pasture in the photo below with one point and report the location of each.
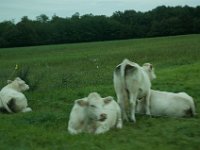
(60, 74)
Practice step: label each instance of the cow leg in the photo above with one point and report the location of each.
(75, 127)
(121, 102)
(147, 106)
(133, 98)
(27, 109)
(124, 115)
(73, 131)
(119, 123)
(102, 129)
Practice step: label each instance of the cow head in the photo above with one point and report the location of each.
(94, 106)
(150, 70)
(18, 84)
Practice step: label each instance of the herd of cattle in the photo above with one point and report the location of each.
(96, 114)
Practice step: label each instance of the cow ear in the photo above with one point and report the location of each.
(151, 69)
(108, 99)
(148, 65)
(9, 81)
(81, 102)
(17, 78)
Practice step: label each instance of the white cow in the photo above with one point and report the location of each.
(94, 114)
(132, 82)
(168, 104)
(12, 99)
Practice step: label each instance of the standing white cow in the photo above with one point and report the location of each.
(12, 99)
(94, 114)
(168, 104)
(132, 82)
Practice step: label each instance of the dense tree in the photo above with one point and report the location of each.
(42, 18)
(161, 21)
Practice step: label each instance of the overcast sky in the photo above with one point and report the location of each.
(16, 9)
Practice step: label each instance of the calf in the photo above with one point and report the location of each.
(94, 114)
(131, 82)
(168, 104)
(12, 99)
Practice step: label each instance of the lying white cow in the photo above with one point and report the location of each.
(94, 114)
(132, 82)
(12, 99)
(168, 104)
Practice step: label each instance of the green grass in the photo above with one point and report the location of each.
(69, 71)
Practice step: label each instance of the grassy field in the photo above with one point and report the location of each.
(59, 74)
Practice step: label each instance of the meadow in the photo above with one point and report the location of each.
(60, 74)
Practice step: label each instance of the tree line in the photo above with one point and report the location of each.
(161, 21)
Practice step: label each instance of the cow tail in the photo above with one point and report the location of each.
(123, 68)
(193, 108)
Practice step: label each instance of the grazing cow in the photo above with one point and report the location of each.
(168, 104)
(94, 114)
(132, 82)
(12, 99)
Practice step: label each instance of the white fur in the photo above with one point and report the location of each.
(132, 83)
(168, 104)
(13, 91)
(94, 114)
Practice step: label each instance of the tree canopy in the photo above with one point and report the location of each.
(161, 21)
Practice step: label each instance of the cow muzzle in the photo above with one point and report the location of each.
(103, 117)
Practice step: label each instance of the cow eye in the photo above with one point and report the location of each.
(93, 106)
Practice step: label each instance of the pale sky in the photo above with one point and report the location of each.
(16, 9)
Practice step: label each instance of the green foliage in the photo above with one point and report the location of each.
(24, 74)
(71, 71)
(161, 21)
